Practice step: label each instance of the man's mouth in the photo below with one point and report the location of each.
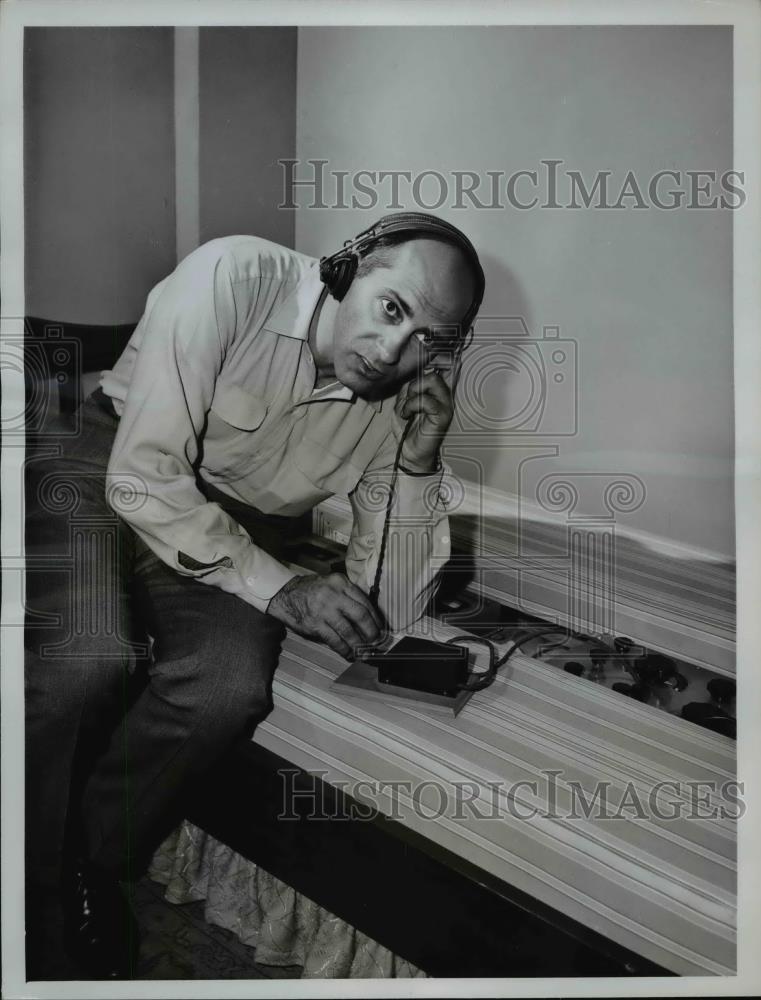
(367, 369)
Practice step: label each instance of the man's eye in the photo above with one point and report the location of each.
(391, 309)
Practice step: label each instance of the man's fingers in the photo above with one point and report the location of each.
(431, 383)
(427, 405)
(423, 402)
(359, 637)
(327, 633)
(335, 640)
(330, 609)
(432, 386)
(359, 597)
(361, 621)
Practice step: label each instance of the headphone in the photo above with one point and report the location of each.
(338, 269)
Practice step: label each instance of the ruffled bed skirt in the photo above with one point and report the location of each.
(282, 926)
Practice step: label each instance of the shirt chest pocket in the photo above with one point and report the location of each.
(328, 472)
(237, 407)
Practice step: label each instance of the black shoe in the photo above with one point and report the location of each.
(100, 931)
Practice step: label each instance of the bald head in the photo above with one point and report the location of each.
(443, 271)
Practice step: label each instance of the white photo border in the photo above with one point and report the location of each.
(745, 16)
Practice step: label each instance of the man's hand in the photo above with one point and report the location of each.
(329, 608)
(429, 400)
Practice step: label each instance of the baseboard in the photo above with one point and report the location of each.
(490, 502)
(485, 501)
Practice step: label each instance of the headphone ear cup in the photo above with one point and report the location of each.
(343, 271)
(327, 272)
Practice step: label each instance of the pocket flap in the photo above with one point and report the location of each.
(238, 407)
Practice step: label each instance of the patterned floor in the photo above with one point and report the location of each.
(177, 943)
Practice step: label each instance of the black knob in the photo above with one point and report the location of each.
(678, 681)
(572, 667)
(722, 690)
(655, 668)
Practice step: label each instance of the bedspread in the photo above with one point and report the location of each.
(284, 927)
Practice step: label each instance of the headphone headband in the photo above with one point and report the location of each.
(338, 269)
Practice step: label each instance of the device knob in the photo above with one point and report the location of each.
(572, 667)
(722, 690)
(623, 644)
(655, 668)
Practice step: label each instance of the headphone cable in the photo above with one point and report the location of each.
(456, 368)
(486, 679)
(375, 589)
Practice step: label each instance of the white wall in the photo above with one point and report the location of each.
(646, 294)
(247, 88)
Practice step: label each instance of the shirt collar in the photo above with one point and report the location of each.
(291, 319)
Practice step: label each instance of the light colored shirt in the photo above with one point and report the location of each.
(218, 380)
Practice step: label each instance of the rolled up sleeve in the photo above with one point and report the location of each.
(189, 323)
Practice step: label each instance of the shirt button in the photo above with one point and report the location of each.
(250, 581)
(445, 540)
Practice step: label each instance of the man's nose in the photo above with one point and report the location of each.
(391, 343)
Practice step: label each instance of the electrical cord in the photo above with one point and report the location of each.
(375, 589)
(556, 645)
(483, 680)
(486, 678)
(456, 368)
(552, 630)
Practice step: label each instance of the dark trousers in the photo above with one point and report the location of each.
(137, 679)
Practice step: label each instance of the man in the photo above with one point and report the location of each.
(246, 395)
